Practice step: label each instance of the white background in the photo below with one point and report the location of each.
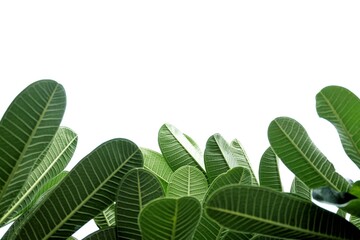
(204, 66)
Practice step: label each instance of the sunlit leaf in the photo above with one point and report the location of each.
(342, 108)
(294, 147)
(26, 130)
(272, 213)
(156, 163)
(242, 159)
(177, 149)
(187, 181)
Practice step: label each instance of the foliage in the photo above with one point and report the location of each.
(180, 192)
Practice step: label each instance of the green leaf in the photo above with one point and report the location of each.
(26, 129)
(168, 218)
(87, 190)
(102, 234)
(177, 149)
(294, 147)
(237, 175)
(355, 220)
(218, 157)
(54, 161)
(156, 163)
(341, 107)
(242, 159)
(269, 171)
(300, 189)
(275, 214)
(106, 218)
(231, 235)
(137, 188)
(208, 229)
(187, 181)
(341, 213)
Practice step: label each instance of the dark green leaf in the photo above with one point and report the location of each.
(103, 234)
(269, 175)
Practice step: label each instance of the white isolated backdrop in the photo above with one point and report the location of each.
(227, 67)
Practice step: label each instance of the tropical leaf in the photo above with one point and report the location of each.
(187, 181)
(242, 159)
(300, 189)
(106, 218)
(272, 213)
(177, 149)
(102, 234)
(137, 188)
(53, 163)
(341, 213)
(231, 235)
(168, 218)
(342, 108)
(208, 229)
(218, 157)
(87, 190)
(156, 163)
(26, 129)
(269, 175)
(237, 175)
(294, 147)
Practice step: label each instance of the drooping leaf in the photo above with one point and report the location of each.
(168, 218)
(106, 218)
(177, 149)
(187, 181)
(26, 129)
(269, 175)
(294, 147)
(53, 162)
(137, 188)
(102, 234)
(299, 188)
(156, 163)
(237, 175)
(242, 159)
(87, 190)
(272, 213)
(218, 157)
(342, 108)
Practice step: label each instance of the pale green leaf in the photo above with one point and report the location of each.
(168, 218)
(294, 147)
(272, 213)
(187, 181)
(218, 157)
(177, 149)
(26, 130)
(242, 159)
(156, 163)
(342, 108)
(269, 174)
(54, 161)
(137, 188)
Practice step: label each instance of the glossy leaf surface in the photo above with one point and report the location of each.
(269, 212)
(294, 147)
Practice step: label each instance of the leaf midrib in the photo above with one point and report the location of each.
(306, 158)
(26, 146)
(88, 198)
(258, 219)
